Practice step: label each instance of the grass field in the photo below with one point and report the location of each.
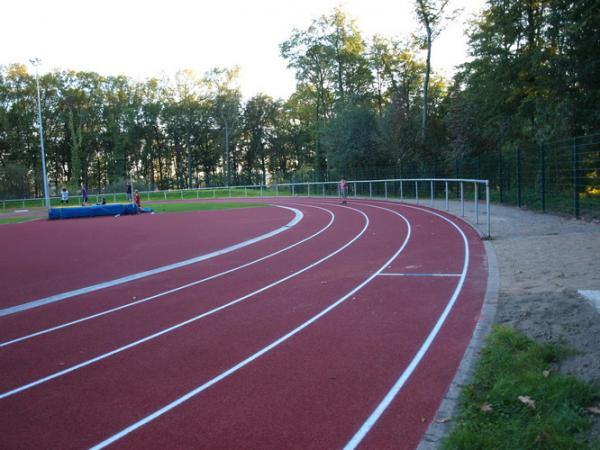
(197, 206)
(16, 219)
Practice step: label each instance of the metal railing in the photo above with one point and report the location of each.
(421, 191)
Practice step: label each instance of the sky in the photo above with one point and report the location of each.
(146, 38)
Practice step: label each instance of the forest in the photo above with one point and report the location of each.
(364, 106)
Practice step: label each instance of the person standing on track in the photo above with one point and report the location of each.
(128, 192)
(64, 196)
(344, 190)
(84, 196)
(137, 199)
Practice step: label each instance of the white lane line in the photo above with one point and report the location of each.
(186, 322)
(392, 274)
(170, 291)
(389, 397)
(136, 276)
(256, 355)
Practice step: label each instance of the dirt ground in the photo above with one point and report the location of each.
(543, 260)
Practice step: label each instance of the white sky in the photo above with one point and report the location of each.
(143, 38)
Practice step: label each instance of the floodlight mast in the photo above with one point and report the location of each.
(36, 62)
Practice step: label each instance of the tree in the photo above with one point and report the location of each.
(431, 14)
(260, 119)
(331, 68)
(227, 105)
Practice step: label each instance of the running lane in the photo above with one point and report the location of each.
(47, 354)
(79, 252)
(156, 288)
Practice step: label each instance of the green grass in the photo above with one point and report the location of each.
(198, 206)
(511, 365)
(16, 219)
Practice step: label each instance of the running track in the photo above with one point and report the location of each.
(308, 325)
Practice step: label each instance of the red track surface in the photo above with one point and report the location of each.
(314, 389)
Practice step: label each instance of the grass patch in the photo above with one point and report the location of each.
(6, 220)
(198, 206)
(493, 417)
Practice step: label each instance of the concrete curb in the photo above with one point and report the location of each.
(442, 423)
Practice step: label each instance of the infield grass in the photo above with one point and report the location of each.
(198, 206)
(6, 220)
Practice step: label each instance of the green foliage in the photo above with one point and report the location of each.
(516, 401)
(360, 104)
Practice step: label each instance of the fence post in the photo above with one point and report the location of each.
(462, 199)
(370, 190)
(308, 189)
(519, 204)
(417, 192)
(401, 192)
(487, 207)
(447, 203)
(432, 194)
(576, 179)
(385, 189)
(354, 189)
(323, 189)
(476, 186)
(501, 172)
(543, 169)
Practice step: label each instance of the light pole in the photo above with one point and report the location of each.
(36, 62)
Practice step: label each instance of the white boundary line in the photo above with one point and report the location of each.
(170, 291)
(256, 355)
(424, 275)
(389, 397)
(96, 287)
(186, 322)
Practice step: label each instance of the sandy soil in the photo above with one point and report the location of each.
(543, 260)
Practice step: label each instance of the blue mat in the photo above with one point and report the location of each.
(92, 211)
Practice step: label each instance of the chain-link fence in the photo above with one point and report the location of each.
(561, 177)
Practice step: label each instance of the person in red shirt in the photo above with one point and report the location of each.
(137, 199)
(344, 190)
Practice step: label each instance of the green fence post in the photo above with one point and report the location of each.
(543, 169)
(519, 177)
(500, 181)
(576, 179)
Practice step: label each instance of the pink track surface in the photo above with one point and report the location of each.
(314, 389)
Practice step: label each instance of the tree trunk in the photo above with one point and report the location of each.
(426, 87)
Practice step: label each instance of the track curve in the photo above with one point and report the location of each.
(323, 333)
